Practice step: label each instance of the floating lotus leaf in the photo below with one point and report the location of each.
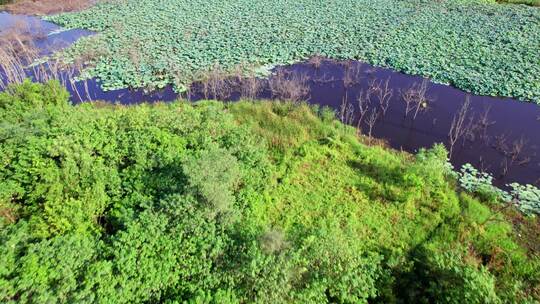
(481, 47)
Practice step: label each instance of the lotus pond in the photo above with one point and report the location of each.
(498, 145)
(480, 47)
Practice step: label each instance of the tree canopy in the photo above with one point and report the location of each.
(248, 202)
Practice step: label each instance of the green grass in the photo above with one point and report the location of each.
(248, 202)
(479, 47)
(527, 2)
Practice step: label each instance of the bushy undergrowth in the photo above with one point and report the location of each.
(263, 202)
(482, 47)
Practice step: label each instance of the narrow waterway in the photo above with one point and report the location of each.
(497, 135)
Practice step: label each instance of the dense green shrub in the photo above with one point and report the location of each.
(264, 202)
(443, 277)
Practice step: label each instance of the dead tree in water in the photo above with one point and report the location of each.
(383, 93)
(458, 127)
(484, 123)
(371, 120)
(347, 111)
(364, 100)
(386, 96)
(352, 74)
(415, 98)
(511, 152)
(504, 167)
(515, 151)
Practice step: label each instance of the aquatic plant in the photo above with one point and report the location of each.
(480, 47)
(525, 197)
(527, 2)
(474, 181)
(528, 197)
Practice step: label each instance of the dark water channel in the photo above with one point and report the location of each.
(499, 134)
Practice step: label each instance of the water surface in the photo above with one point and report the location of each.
(507, 145)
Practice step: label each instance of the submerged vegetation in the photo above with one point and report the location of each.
(265, 202)
(481, 47)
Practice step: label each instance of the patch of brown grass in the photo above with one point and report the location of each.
(20, 58)
(17, 51)
(289, 87)
(46, 7)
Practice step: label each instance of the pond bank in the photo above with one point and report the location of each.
(498, 135)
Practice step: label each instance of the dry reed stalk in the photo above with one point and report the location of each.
(20, 59)
(316, 61)
(364, 101)
(289, 87)
(458, 128)
(352, 74)
(216, 84)
(415, 98)
(371, 120)
(250, 87)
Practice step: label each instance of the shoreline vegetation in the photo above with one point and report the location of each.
(49, 7)
(258, 201)
(267, 202)
(483, 48)
(19, 48)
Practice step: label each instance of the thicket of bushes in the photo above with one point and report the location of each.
(237, 203)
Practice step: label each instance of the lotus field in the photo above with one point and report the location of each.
(476, 46)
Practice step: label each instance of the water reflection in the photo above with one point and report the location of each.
(497, 135)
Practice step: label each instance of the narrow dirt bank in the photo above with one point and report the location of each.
(45, 7)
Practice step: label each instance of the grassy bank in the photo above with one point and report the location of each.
(250, 202)
(527, 2)
(481, 47)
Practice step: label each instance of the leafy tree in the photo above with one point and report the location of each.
(238, 203)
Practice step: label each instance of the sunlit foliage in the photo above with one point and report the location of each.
(263, 202)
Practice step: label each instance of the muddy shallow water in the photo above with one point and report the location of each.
(501, 133)
(51, 36)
